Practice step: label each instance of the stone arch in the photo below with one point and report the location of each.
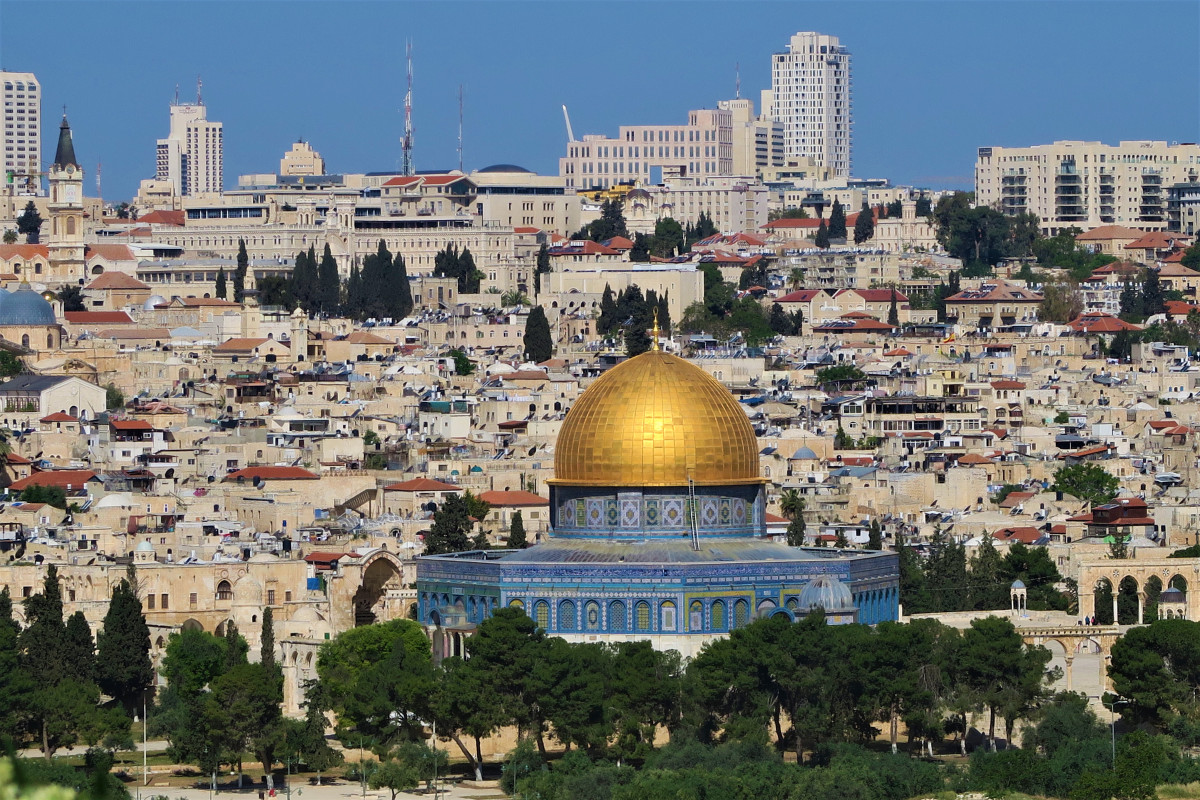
(1104, 610)
(1129, 601)
(376, 598)
(224, 590)
(191, 625)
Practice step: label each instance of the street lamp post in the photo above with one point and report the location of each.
(1112, 724)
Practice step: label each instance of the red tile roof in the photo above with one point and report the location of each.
(175, 218)
(1107, 232)
(799, 296)
(116, 280)
(1025, 535)
(974, 458)
(1180, 308)
(1015, 499)
(422, 485)
(526, 229)
(58, 416)
(240, 345)
(130, 425)
(898, 352)
(1008, 385)
(789, 224)
(513, 498)
(111, 252)
(61, 478)
(325, 558)
(878, 295)
(23, 251)
(273, 474)
(98, 318)
(1099, 322)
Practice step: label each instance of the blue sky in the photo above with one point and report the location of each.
(932, 80)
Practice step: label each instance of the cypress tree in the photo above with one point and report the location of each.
(123, 667)
(608, 312)
(15, 683)
(864, 226)
(543, 266)
(239, 277)
(837, 221)
(329, 285)
(822, 240)
(1153, 301)
(516, 533)
(875, 538)
(354, 291)
(893, 317)
(539, 346)
(235, 646)
(266, 648)
(222, 290)
(42, 641)
(401, 293)
(469, 275)
(79, 649)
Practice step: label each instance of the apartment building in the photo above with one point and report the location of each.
(191, 157)
(22, 135)
(701, 148)
(1086, 184)
(757, 140)
(810, 95)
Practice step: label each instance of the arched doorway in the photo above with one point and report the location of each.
(1129, 605)
(1104, 602)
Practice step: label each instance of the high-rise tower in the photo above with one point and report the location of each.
(21, 136)
(192, 155)
(810, 95)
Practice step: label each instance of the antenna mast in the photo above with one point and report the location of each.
(199, 91)
(460, 119)
(98, 192)
(407, 168)
(737, 69)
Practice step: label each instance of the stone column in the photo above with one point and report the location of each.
(1116, 593)
(1141, 608)
(1068, 661)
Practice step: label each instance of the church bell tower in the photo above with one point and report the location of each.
(65, 243)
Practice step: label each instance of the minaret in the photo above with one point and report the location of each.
(66, 212)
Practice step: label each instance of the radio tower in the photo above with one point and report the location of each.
(460, 161)
(408, 128)
(98, 192)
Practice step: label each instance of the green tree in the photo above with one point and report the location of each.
(539, 346)
(822, 238)
(1089, 482)
(71, 297)
(668, 238)
(396, 776)
(451, 529)
(123, 667)
(465, 704)
(462, 364)
(1191, 257)
(986, 587)
(10, 236)
(10, 365)
(516, 533)
(837, 221)
(79, 649)
(236, 646)
(842, 440)
(839, 373)
(341, 662)
(1007, 676)
(542, 266)
(875, 537)
(113, 399)
(353, 307)
(16, 684)
(787, 213)
(222, 291)
(266, 648)
(796, 528)
(507, 647)
(780, 321)
(864, 225)
(893, 317)
(29, 223)
(329, 284)
(239, 275)
(1153, 301)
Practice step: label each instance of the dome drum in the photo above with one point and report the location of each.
(736, 510)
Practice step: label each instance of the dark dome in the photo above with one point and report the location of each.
(26, 307)
(506, 168)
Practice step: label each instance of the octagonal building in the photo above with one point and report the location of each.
(658, 530)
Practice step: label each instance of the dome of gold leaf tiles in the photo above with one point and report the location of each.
(656, 420)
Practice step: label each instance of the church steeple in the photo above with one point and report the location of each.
(65, 154)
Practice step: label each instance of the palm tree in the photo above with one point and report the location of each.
(797, 277)
(791, 503)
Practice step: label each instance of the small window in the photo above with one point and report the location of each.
(270, 597)
(287, 596)
(192, 599)
(150, 602)
(224, 591)
(164, 604)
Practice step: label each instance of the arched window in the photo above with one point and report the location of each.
(616, 617)
(224, 591)
(642, 618)
(741, 613)
(49, 340)
(517, 604)
(70, 226)
(567, 617)
(719, 622)
(541, 614)
(666, 617)
(696, 616)
(25, 340)
(591, 616)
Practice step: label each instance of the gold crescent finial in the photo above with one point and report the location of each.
(654, 332)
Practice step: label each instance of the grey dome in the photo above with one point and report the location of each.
(144, 547)
(152, 301)
(26, 307)
(506, 168)
(804, 452)
(828, 593)
(1018, 584)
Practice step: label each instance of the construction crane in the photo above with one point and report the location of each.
(567, 117)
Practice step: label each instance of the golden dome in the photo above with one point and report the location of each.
(656, 420)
